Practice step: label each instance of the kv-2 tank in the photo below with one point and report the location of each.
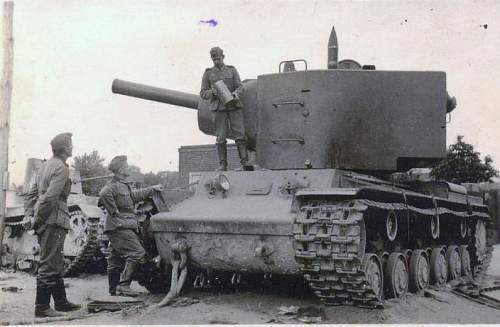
(342, 197)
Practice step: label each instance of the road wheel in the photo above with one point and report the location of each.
(396, 275)
(465, 260)
(419, 271)
(439, 267)
(374, 274)
(454, 262)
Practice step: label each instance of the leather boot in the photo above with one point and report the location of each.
(61, 302)
(243, 153)
(44, 311)
(113, 280)
(123, 287)
(222, 154)
(42, 304)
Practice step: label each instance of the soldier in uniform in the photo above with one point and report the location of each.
(121, 227)
(47, 203)
(225, 116)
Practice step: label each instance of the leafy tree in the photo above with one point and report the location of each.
(91, 165)
(167, 178)
(463, 165)
(151, 179)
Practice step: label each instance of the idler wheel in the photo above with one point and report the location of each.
(465, 260)
(374, 274)
(396, 275)
(391, 225)
(439, 267)
(419, 271)
(454, 262)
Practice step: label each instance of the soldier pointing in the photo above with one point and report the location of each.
(227, 113)
(121, 227)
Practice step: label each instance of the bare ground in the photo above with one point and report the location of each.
(243, 307)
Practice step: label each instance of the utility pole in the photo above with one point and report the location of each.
(5, 102)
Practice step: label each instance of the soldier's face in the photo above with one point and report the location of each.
(69, 150)
(218, 60)
(125, 171)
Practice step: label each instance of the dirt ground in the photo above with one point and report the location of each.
(255, 306)
(247, 307)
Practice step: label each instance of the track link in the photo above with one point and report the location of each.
(330, 245)
(88, 252)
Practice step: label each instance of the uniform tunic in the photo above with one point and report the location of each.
(228, 119)
(46, 201)
(121, 222)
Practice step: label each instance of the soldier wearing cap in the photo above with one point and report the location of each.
(228, 118)
(121, 227)
(46, 201)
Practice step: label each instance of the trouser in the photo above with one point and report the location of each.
(125, 247)
(229, 123)
(51, 264)
(115, 268)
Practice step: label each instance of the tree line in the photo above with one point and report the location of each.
(92, 165)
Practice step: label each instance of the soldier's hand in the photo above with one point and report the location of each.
(235, 95)
(158, 188)
(214, 91)
(28, 222)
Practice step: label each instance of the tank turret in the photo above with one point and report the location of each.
(358, 119)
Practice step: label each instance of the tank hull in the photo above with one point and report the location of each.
(346, 233)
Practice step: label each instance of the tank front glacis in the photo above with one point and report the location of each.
(245, 228)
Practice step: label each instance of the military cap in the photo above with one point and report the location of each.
(60, 141)
(216, 51)
(117, 163)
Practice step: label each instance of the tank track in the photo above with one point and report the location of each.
(88, 252)
(330, 243)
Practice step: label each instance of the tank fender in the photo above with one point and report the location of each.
(327, 192)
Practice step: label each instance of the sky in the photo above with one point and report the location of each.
(67, 53)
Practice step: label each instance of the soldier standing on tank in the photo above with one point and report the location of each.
(46, 202)
(227, 118)
(121, 226)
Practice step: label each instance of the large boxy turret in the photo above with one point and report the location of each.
(364, 120)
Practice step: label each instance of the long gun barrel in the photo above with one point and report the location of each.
(157, 94)
(87, 179)
(193, 101)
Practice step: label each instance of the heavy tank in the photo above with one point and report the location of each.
(342, 195)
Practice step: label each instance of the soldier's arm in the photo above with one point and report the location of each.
(57, 183)
(206, 91)
(108, 201)
(48, 200)
(30, 199)
(141, 194)
(237, 82)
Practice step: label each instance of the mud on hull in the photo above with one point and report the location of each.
(352, 244)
